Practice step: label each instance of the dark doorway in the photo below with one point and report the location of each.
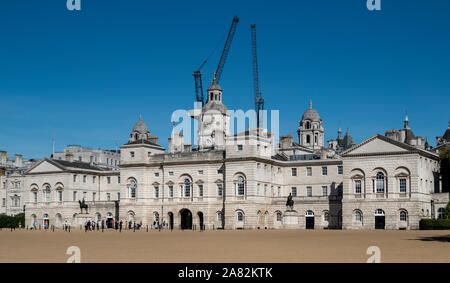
(170, 220)
(310, 222)
(186, 219)
(109, 223)
(379, 222)
(200, 220)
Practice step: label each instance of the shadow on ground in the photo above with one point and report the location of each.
(434, 239)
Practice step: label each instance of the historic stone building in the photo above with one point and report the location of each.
(242, 181)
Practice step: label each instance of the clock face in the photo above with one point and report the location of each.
(208, 141)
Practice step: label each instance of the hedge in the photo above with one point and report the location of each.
(434, 224)
(12, 221)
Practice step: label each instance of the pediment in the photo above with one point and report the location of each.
(378, 144)
(44, 166)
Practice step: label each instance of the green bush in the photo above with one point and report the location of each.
(434, 224)
(12, 221)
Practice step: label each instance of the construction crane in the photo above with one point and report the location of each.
(198, 84)
(226, 48)
(198, 75)
(259, 101)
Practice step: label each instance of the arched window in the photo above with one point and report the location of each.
(187, 188)
(380, 182)
(308, 125)
(34, 193)
(441, 213)
(309, 213)
(47, 192)
(241, 186)
(133, 188)
(279, 216)
(403, 216)
(358, 216)
(240, 216)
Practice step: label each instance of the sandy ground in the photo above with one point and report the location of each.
(265, 246)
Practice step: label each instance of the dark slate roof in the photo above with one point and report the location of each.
(144, 142)
(409, 135)
(446, 135)
(77, 164)
(280, 157)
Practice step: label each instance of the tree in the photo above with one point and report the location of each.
(447, 211)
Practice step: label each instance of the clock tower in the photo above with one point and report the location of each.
(213, 120)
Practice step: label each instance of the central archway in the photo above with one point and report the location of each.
(186, 219)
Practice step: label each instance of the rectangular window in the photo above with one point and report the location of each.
(294, 171)
(308, 171)
(324, 171)
(358, 187)
(200, 190)
(324, 191)
(403, 185)
(171, 191)
(294, 191)
(340, 170)
(240, 147)
(108, 196)
(108, 179)
(149, 154)
(3, 202)
(35, 197)
(170, 173)
(132, 154)
(84, 179)
(80, 158)
(84, 196)
(118, 196)
(93, 179)
(156, 192)
(219, 190)
(60, 196)
(74, 198)
(309, 191)
(74, 178)
(93, 196)
(200, 172)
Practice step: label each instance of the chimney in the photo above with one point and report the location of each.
(3, 157)
(69, 156)
(18, 161)
(286, 141)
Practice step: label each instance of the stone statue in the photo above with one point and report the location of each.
(83, 205)
(290, 201)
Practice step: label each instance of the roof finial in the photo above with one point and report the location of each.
(310, 104)
(214, 79)
(140, 117)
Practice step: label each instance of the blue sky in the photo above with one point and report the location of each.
(85, 76)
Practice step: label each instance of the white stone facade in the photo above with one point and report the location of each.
(243, 181)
